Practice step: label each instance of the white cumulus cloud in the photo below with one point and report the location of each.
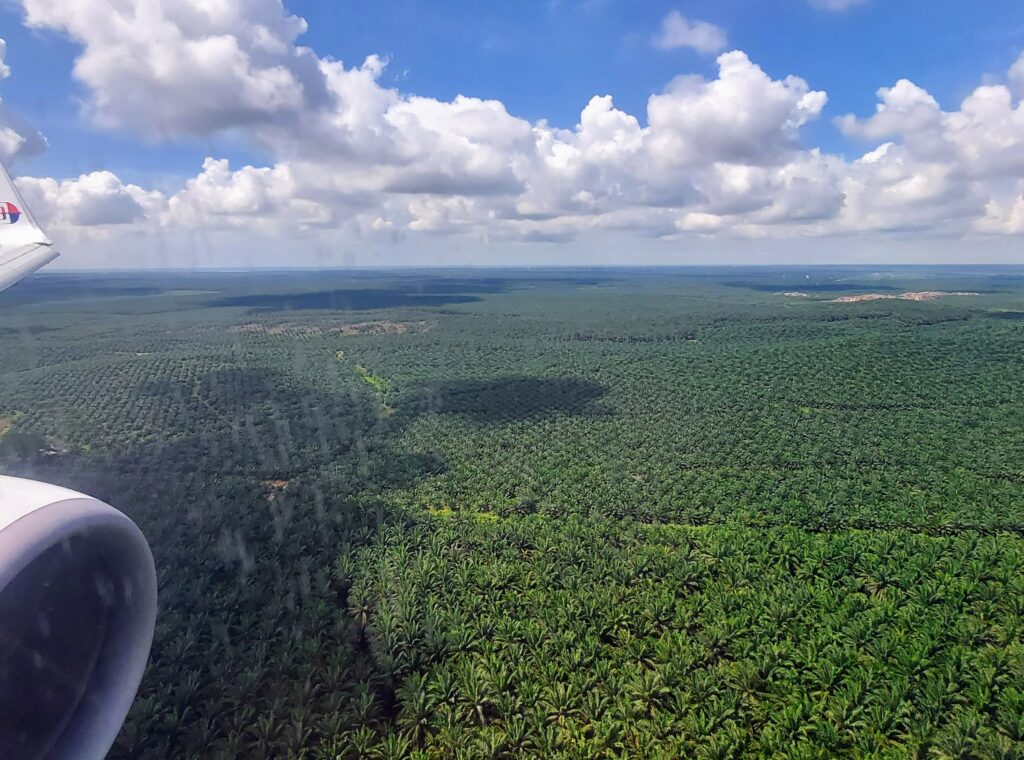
(743, 116)
(255, 198)
(186, 66)
(1016, 76)
(91, 200)
(677, 31)
(5, 70)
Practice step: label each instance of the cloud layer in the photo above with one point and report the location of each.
(721, 157)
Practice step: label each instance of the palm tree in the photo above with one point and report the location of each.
(414, 715)
(474, 696)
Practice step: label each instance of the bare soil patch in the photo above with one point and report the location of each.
(6, 423)
(376, 327)
(381, 327)
(284, 328)
(922, 295)
(274, 487)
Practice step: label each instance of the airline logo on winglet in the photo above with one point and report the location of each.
(9, 213)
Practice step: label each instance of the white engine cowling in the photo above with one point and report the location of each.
(77, 611)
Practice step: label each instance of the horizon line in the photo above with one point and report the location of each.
(514, 267)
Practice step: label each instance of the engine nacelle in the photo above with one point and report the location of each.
(77, 611)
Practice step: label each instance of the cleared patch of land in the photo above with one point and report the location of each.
(285, 328)
(273, 487)
(6, 423)
(921, 295)
(381, 327)
(375, 327)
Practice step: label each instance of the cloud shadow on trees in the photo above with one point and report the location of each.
(352, 299)
(402, 291)
(256, 488)
(775, 286)
(510, 398)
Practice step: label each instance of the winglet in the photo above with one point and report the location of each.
(24, 247)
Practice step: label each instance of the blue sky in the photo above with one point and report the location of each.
(543, 61)
(546, 59)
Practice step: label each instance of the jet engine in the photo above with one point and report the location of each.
(77, 611)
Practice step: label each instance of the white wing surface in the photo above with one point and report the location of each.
(18, 263)
(24, 246)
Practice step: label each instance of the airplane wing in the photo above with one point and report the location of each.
(24, 246)
(22, 261)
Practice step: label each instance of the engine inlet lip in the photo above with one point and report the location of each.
(114, 681)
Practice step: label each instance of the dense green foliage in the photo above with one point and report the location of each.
(574, 515)
(591, 637)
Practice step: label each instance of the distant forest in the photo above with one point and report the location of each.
(559, 514)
